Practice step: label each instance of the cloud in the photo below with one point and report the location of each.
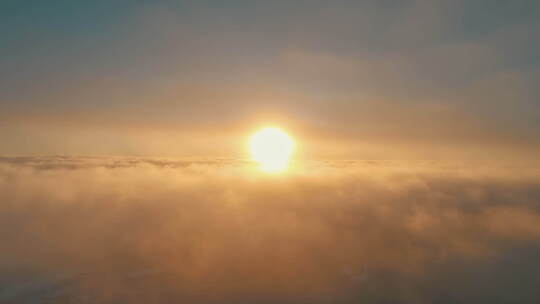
(143, 230)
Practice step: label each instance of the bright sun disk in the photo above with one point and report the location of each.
(271, 148)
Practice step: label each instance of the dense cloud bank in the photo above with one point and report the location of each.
(141, 230)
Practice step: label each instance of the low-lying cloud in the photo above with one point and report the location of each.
(146, 230)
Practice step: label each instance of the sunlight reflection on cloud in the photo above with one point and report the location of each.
(138, 230)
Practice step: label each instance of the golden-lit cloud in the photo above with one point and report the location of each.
(138, 230)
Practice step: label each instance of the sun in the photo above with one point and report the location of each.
(271, 148)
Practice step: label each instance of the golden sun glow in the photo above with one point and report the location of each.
(271, 148)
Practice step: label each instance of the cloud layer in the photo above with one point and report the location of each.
(141, 230)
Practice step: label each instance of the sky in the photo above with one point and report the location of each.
(348, 79)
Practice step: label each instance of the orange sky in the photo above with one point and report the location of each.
(418, 79)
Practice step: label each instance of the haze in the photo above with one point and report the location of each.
(135, 166)
(430, 79)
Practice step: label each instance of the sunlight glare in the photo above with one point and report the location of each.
(271, 148)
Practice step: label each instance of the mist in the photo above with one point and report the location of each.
(156, 230)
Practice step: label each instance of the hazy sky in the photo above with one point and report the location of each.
(349, 79)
